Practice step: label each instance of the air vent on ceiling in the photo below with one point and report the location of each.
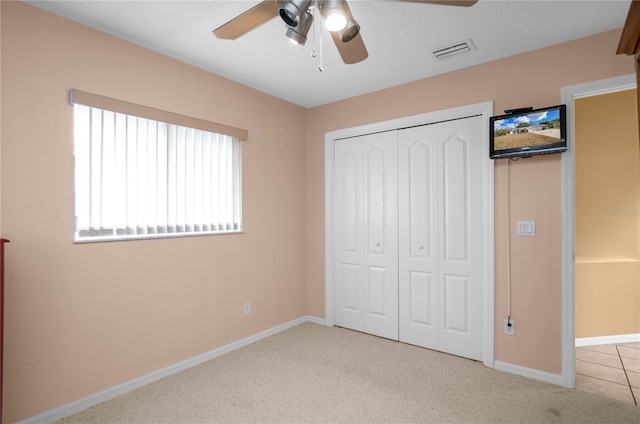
(453, 49)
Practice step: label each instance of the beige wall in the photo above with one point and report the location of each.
(81, 318)
(607, 176)
(607, 216)
(530, 79)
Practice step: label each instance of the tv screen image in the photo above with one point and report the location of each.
(532, 132)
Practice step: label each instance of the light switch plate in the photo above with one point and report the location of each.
(526, 228)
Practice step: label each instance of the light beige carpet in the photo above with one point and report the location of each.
(315, 374)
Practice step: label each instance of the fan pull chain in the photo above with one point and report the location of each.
(320, 68)
(313, 50)
(318, 23)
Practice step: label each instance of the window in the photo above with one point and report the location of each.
(137, 177)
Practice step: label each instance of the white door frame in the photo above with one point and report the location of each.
(486, 110)
(569, 95)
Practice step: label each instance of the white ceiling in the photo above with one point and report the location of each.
(398, 35)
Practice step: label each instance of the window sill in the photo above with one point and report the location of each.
(101, 239)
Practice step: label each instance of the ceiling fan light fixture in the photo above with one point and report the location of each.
(298, 34)
(293, 11)
(335, 21)
(335, 16)
(350, 31)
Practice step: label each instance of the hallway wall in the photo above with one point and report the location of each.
(607, 161)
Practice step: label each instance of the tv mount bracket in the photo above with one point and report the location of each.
(520, 110)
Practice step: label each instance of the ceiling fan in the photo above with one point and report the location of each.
(298, 15)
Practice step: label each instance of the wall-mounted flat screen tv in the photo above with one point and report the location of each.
(528, 133)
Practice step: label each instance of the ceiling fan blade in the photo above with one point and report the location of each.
(251, 19)
(461, 3)
(351, 52)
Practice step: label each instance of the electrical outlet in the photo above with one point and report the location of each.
(509, 330)
(247, 308)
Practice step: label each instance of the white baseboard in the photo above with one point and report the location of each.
(316, 320)
(620, 338)
(108, 394)
(558, 378)
(529, 372)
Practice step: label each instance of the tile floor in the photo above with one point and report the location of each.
(610, 370)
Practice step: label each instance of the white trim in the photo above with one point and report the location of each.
(316, 320)
(329, 313)
(110, 393)
(489, 251)
(605, 340)
(569, 94)
(486, 110)
(547, 377)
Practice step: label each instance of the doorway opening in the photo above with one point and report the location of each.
(574, 257)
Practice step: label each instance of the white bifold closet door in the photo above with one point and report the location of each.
(408, 235)
(366, 234)
(440, 236)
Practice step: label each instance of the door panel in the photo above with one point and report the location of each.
(421, 287)
(377, 304)
(456, 301)
(461, 266)
(350, 168)
(366, 236)
(375, 200)
(455, 197)
(381, 235)
(352, 293)
(418, 235)
(348, 235)
(421, 180)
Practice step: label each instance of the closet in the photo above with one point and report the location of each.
(408, 213)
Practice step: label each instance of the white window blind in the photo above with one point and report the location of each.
(141, 178)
